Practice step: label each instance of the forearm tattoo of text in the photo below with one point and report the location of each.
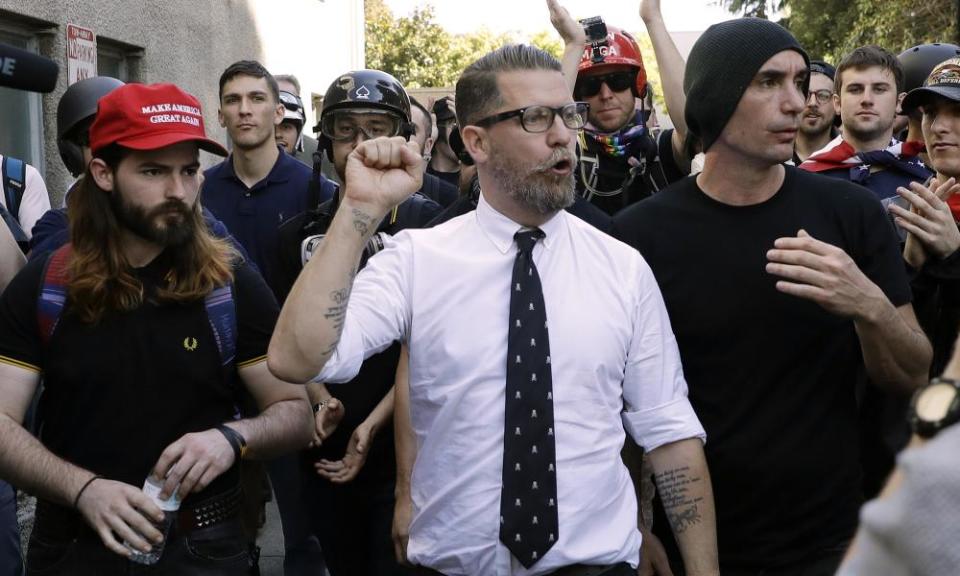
(676, 488)
(336, 313)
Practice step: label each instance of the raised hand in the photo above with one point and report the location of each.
(381, 173)
(569, 29)
(650, 9)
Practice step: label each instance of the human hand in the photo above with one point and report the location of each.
(119, 512)
(653, 558)
(402, 515)
(192, 462)
(823, 273)
(569, 29)
(650, 10)
(346, 469)
(326, 420)
(929, 219)
(380, 174)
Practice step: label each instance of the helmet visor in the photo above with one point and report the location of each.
(346, 125)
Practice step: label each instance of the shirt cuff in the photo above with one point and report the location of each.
(664, 424)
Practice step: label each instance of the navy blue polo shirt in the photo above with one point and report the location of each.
(254, 215)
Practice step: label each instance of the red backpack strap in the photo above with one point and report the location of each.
(53, 292)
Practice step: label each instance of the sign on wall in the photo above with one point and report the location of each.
(81, 53)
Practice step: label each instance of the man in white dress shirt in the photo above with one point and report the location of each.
(604, 363)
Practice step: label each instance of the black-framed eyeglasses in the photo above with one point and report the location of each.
(539, 118)
(615, 81)
(822, 96)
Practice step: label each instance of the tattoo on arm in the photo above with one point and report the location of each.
(337, 313)
(361, 222)
(681, 506)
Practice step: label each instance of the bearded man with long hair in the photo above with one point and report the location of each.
(157, 325)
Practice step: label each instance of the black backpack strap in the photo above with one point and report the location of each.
(14, 184)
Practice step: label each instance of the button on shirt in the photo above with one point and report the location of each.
(446, 292)
(253, 215)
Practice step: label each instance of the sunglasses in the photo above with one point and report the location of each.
(615, 81)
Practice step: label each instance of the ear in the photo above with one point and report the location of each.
(836, 103)
(220, 118)
(900, 98)
(102, 174)
(278, 116)
(475, 142)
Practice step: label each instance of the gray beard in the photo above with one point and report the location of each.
(537, 189)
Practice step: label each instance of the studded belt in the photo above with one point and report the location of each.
(209, 512)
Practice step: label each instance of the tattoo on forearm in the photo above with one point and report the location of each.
(679, 502)
(337, 313)
(362, 221)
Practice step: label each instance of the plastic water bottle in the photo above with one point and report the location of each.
(169, 506)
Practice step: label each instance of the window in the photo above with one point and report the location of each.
(118, 60)
(21, 132)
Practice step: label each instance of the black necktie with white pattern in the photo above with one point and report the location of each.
(528, 501)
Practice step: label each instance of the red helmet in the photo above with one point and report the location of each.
(617, 48)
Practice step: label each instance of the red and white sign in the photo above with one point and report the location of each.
(81, 53)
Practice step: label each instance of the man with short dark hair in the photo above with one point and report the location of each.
(867, 92)
(145, 326)
(257, 187)
(535, 341)
(444, 163)
(785, 289)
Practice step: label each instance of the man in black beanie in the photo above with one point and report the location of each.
(784, 290)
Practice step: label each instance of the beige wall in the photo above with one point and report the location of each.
(190, 42)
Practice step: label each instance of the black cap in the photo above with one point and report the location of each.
(919, 61)
(821, 67)
(944, 81)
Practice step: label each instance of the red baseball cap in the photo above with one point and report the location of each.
(149, 116)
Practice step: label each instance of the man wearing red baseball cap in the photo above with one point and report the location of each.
(145, 326)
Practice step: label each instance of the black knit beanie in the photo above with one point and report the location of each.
(721, 66)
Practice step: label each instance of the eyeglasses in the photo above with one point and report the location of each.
(615, 81)
(539, 118)
(347, 125)
(822, 96)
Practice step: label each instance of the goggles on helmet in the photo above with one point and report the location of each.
(346, 125)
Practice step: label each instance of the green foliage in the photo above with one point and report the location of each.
(421, 54)
(829, 29)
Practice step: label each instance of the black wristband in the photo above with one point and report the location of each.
(76, 499)
(236, 440)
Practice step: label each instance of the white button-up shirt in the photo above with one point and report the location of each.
(446, 292)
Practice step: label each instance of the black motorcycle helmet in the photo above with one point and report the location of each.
(919, 61)
(365, 89)
(76, 110)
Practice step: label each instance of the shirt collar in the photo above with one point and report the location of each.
(500, 229)
(278, 173)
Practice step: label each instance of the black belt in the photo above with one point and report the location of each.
(572, 570)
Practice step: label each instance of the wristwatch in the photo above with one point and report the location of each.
(320, 405)
(935, 406)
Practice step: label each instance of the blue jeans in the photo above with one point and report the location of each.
(11, 563)
(62, 544)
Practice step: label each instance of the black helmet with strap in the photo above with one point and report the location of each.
(77, 104)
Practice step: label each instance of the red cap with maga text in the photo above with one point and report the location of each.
(148, 117)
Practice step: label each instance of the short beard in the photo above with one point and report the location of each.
(144, 223)
(536, 187)
(815, 132)
(868, 135)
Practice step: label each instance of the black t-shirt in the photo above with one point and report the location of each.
(612, 196)
(118, 392)
(772, 377)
